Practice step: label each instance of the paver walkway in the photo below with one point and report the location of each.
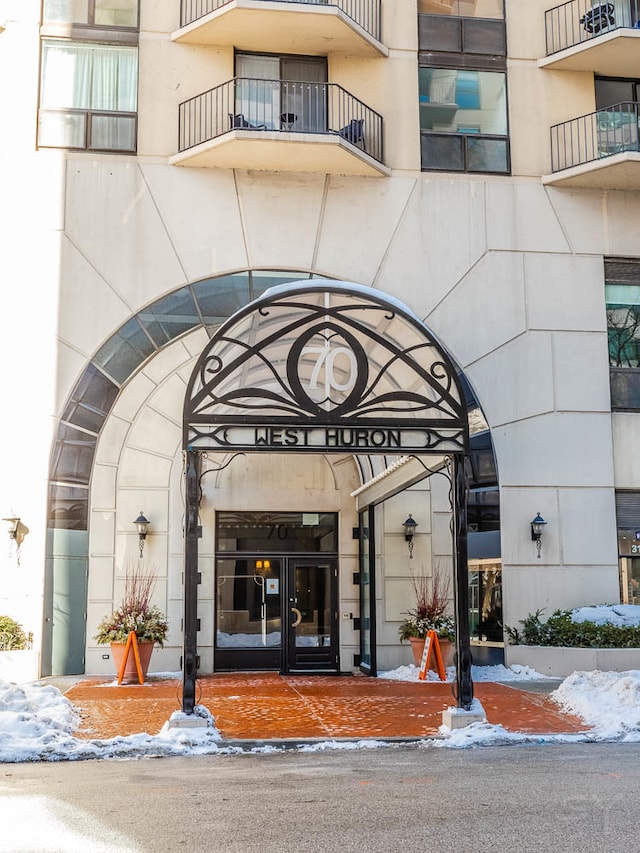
(268, 706)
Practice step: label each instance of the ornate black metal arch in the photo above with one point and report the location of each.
(325, 367)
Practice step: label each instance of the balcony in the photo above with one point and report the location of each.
(601, 37)
(350, 27)
(597, 151)
(278, 125)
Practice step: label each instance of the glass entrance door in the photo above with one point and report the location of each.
(312, 615)
(276, 609)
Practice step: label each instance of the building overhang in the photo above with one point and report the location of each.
(406, 471)
(615, 172)
(270, 26)
(277, 151)
(613, 54)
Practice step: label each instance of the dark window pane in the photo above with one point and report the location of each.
(487, 155)
(442, 152)
(170, 316)
(439, 33)
(113, 133)
(625, 388)
(486, 37)
(73, 455)
(219, 298)
(91, 400)
(68, 507)
(125, 351)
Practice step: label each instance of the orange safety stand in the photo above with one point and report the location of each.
(132, 643)
(432, 649)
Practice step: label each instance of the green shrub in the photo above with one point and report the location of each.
(12, 636)
(560, 630)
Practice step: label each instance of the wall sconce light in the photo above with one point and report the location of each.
(409, 527)
(12, 523)
(142, 525)
(537, 528)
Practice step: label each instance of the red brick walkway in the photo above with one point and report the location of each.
(268, 706)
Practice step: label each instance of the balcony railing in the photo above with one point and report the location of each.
(283, 106)
(581, 20)
(366, 13)
(596, 135)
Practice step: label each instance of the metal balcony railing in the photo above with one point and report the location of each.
(366, 13)
(596, 135)
(581, 20)
(286, 106)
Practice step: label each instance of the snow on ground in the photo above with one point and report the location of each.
(37, 722)
(478, 673)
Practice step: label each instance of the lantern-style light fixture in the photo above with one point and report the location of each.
(537, 529)
(142, 526)
(12, 523)
(409, 527)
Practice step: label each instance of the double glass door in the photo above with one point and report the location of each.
(277, 611)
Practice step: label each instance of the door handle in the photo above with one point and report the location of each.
(298, 617)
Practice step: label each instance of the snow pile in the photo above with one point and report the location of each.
(608, 701)
(37, 724)
(478, 673)
(620, 615)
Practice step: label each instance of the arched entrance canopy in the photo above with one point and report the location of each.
(325, 367)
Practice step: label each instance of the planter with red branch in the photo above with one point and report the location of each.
(429, 613)
(136, 613)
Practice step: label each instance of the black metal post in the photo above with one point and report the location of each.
(464, 684)
(190, 618)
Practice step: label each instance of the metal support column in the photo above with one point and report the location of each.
(190, 617)
(464, 684)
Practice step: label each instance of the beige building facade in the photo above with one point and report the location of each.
(163, 166)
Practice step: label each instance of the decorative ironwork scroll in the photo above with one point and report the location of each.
(325, 367)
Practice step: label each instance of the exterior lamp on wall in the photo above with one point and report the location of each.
(142, 525)
(12, 523)
(537, 528)
(409, 529)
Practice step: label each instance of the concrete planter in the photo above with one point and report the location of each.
(19, 666)
(561, 661)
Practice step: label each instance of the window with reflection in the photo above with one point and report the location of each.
(98, 13)
(88, 96)
(622, 297)
(463, 8)
(460, 112)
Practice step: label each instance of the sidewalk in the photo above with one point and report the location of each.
(268, 706)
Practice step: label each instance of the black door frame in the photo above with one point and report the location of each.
(283, 658)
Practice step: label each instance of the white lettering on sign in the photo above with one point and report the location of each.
(327, 360)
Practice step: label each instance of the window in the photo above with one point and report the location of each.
(98, 13)
(622, 295)
(281, 92)
(463, 114)
(88, 96)
(463, 8)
